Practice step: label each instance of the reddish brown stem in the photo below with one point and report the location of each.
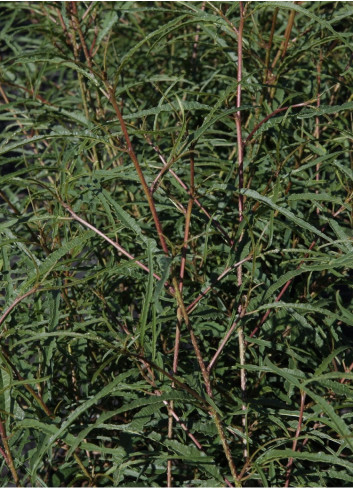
(295, 441)
(113, 243)
(80, 34)
(183, 257)
(134, 159)
(275, 112)
(15, 302)
(225, 272)
(284, 45)
(270, 41)
(207, 381)
(191, 193)
(287, 284)
(347, 371)
(7, 454)
(221, 347)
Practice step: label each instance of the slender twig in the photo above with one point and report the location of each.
(242, 349)
(270, 41)
(131, 152)
(295, 441)
(238, 113)
(221, 347)
(184, 252)
(275, 112)
(178, 331)
(347, 370)
(76, 52)
(240, 147)
(175, 381)
(16, 301)
(181, 283)
(225, 272)
(8, 456)
(207, 381)
(317, 120)
(167, 166)
(224, 17)
(110, 241)
(3, 454)
(287, 284)
(183, 315)
(190, 435)
(170, 406)
(204, 404)
(80, 34)
(30, 92)
(185, 244)
(284, 45)
(189, 191)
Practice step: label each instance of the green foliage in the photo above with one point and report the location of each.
(120, 168)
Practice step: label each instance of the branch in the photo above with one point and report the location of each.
(134, 159)
(192, 306)
(113, 243)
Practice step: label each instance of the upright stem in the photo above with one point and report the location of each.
(170, 435)
(183, 258)
(238, 113)
(297, 433)
(242, 347)
(184, 316)
(268, 51)
(189, 191)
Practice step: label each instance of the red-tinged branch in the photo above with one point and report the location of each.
(221, 346)
(7, 455)
(191, 193)
(207, 214)
(275, 112)
(287, 284)
(113, 243)
(192, 306)
(131, 152)
(207, 380)
(15, 302)
(295, 441)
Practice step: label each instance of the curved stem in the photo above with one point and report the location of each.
(7, 454)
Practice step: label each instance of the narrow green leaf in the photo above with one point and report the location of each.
(319, 457)
(325, 109)
(292, 217)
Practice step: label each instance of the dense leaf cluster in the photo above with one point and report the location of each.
(111, 110)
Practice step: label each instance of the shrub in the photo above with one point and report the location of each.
(176, 244)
